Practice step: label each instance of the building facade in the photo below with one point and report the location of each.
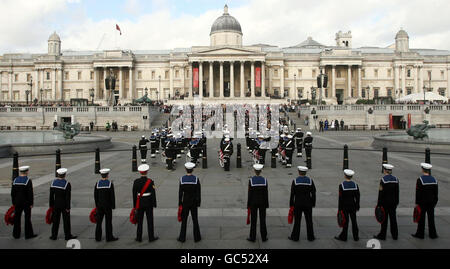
(226, 71)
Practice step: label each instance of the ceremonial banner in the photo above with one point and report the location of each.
(409, 121)
(195, 75)
(391, 122)
(258, 77)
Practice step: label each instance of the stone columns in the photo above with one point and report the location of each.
(171, 75)
(130, 82)
(104, 83)
(403, 80)
(96, 90)
(54, 84)
(416, 79)
(191, 82)
(396, 81)
(221, 80)
(349, 81)
(252, 83)
(333, 81)
(263, 79)
(120, 84)
(231, 79)
(269, 71)
(10, 78)
(421, 79)
(359, 82)
(211, 79)
(183, 80)
(60, 83)
(36, 84)
(242, 80)
(282, 81)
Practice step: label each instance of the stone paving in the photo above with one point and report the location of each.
(224, 195)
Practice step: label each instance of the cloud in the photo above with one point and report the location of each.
(282, 23)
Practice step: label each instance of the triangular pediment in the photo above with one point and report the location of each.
(226, 51)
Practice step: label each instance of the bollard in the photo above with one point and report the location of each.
(385, 158)
(204, 157)
(273, 163)
(15, 170)
(58, 161)
(238, 157)
(97, 161)
(428, 156)
(134, 160)
(345, 157)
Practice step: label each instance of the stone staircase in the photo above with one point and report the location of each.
(160, 120)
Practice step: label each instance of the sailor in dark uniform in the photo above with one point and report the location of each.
(143, 148)
(258, 200)
(303, 199)
(289, 146)
(189, 199)
(146, 203)
(105, 202)
(60, 198)
(227, 150)
(298, 136)
(195, 148)
(170, 150)
(158, 140)
(23, 200)
(349, 204)
(153, 140)
(388, 198)
(307, 144)
(426, 198)
(162, 139)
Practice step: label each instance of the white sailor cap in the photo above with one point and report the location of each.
(169, 135)
(349, 172)
(289, 136)
(104, 171)
(302, 168)
(388, 166)
(260, 136)
(61, 171)
(227, 139)
(282, 135)
(198, 133)
(24, 168)
(299, 129)
(143, 168)
(189, 165)
(258, 167)
(308, 133)
(426, 166)
(143, 136)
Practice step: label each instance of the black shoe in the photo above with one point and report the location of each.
(138, 240)
(340, 239)
(265, 239)
(99, 240)
(416, 236)
(112, 239)
(181, 240)
(395, 238)
(379, 237)
(292, 239)
(356, 239)
(434, 237)
(31, 236)
(311, 239)
(251, 240)
(197, 240)
(71, 237)
(53, 238)
(153, 239)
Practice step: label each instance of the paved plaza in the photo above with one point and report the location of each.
(222, 214)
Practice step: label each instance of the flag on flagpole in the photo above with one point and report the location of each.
(118, 29)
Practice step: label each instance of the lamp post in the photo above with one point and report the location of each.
(42, 92)
(91, 94)
(30, 90)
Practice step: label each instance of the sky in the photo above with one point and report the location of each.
(167, 24)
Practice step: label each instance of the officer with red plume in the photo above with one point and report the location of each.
(426, 200)
(349, 197)
(189, 199)
(22, 200)
(144, 200)
(258, 200)
(105, 202)
(303, 199)
(388, 199)
(60, 196)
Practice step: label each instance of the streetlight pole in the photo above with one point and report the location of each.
(30, 90)
(41, 91)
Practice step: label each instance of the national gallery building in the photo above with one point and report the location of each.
(226, 71)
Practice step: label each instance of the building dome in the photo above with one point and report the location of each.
(402, 34)
(54, 37)
(226, 23)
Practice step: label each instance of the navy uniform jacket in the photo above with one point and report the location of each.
(426, 191)
(104, 196)
(227, 148)
(258, 194)
(290, 145)
(22, 192)
(348, 196)
(148, 199)
(388, 195)
(143, 143)
(307, 142)
(60, 194)
(298, 136)
(153, 141)
(303, 192)
(189, 193)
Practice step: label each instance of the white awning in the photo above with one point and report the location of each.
(429, 96)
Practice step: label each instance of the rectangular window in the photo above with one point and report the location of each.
(92, 75)
(408, 73)
(140, 93)
(48, 75)
(375, 73)
(442, 91)
(389, 92)
(177, 73)
(300, 73)
(408, 91)
(376, 92)
(79, 75)
(363, 93)
(5, 96)
(28, 77)
(300, 92)
(79, 93)
(66, 94)
(16, 95)
(139, 74)
(66, 75)
(275, 73)
(166, 75)
(16, 77)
